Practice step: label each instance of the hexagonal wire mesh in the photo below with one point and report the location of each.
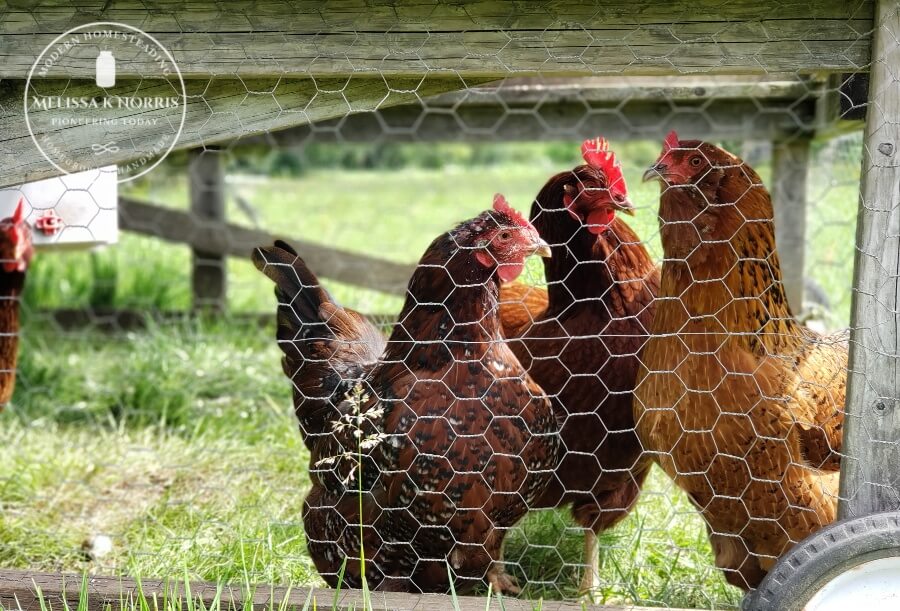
(547, 425)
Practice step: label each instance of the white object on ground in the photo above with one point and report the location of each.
(97, 547)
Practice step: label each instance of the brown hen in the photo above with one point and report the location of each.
(741, 404)
(456, 440)
(16, 251)
(580, 340)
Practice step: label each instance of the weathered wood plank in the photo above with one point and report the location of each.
(790, 168)
(871, 449)
(217, 110)
(224, 239)
(410, 15)
(528, 91)
(486, 39)
(209, 278)
(530, 109)
(626, 119)
(18, 591)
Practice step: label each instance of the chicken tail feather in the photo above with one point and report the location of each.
(327, 349)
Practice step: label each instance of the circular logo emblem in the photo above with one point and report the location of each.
(83, 113)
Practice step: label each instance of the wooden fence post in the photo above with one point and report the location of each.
(790, 166)
(207, 190)
(870, 471)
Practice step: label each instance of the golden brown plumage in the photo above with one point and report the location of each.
(15, 255)
(463, 439)
(740, 404)
(520, 305)
(580, 340)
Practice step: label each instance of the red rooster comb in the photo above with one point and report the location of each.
(671, 142)
(502, 206)
(596, 154)
(19, 215)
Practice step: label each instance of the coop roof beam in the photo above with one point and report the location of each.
(528, 109)
(484, 39)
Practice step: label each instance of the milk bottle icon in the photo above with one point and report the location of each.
(106, 69)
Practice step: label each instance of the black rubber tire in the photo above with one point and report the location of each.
(812, 563)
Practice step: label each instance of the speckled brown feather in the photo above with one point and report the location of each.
(468, 441)
(595, 318)
(741, 405)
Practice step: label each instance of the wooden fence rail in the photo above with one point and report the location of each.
(18, 591)
(218, 238)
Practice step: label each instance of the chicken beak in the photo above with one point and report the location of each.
(625, 205)
(655, 172)
(541, 249)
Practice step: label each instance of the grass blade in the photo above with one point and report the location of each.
(188, 596)
(83, 593)
(40, 596)
(453, 598)
(487, 605)
(306, 605)
(340, 583)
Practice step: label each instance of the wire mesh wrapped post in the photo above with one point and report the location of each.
(869, 479)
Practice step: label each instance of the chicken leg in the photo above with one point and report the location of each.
(590, 580)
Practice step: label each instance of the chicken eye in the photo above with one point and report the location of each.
(505, 235)
(696, 161)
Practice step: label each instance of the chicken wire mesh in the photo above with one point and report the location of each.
(481, 422)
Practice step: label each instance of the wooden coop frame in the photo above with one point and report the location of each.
(259, 65)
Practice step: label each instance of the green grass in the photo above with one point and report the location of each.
(179, 442)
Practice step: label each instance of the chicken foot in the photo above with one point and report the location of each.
(501, 581)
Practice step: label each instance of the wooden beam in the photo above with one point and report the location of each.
(209, 278)
(627, 119)
(18, 590)
(547, 108)
(869, 478)
(224, 239)
(483, 39)
(531, 91)
(218, 110)
(790, 169)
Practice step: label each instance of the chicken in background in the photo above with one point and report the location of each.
(456, 442)
(16, 251)
(740, 404)
(581, 337)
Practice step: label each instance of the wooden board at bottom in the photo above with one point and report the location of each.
(18, 591)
